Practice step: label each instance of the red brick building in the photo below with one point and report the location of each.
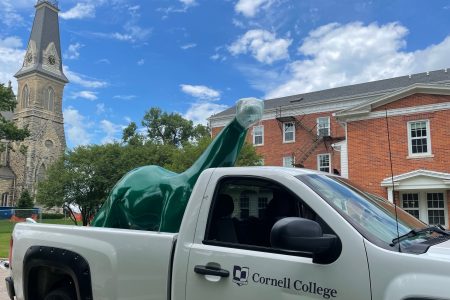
(349, 130)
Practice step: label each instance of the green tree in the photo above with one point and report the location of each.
(85, 175)
(81, 178)
(131, 136)
(25, 201)
(171, 129)
(8, 130)
(185, 157)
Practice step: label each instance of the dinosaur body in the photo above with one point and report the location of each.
(153, 198)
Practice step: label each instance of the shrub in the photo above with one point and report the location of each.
(52, 216)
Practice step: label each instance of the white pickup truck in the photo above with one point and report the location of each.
(247, 233)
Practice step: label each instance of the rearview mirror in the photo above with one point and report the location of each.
(304, 235)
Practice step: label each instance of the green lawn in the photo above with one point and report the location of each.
(6, 228)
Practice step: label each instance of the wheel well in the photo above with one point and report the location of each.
(47, 268)
(42, 280)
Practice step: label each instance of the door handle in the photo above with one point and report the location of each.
(207, 270)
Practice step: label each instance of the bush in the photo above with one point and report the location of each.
(50, 216)
(25, 200)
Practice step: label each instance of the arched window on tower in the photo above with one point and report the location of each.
(40, 175)
(25, 96)
(49, 99)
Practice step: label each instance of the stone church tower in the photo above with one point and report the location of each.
(41, 83)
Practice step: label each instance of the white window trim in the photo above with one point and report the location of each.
(329, 125)
(262, 134)
(329, 160)
(423, 205)
(416, 155)
(284, 132)
(293, 161)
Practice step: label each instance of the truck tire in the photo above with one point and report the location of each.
(63, 293)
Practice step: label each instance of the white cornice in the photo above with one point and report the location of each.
(445, 177)
(398, 112)
(365, 108)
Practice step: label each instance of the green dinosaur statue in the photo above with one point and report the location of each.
(153, 198)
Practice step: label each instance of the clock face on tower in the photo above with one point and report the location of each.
(51, 60)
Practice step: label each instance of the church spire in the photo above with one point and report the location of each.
(44, 50)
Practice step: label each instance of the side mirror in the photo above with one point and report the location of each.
(304, 235)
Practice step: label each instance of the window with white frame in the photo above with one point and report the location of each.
(323, 126)
(258, 135)
(288, 132)
(323, 163)
(410, 203)
(419, 142)
(436, 210)
(430, 207)
(262, 204)
(288, 161)
(244, 205)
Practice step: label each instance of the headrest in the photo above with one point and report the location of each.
(224, 206)
(281, 205)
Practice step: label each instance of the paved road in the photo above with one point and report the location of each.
(3, 275)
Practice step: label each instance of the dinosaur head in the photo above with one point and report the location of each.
(249, 111)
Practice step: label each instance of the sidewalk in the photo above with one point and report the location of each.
(3, 275)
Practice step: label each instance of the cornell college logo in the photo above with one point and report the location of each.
(240, 275)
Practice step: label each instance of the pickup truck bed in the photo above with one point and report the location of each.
(126, 261)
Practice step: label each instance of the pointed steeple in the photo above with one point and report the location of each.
(44, 50)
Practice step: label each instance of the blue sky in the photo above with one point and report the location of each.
(197, 57)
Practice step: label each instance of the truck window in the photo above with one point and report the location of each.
(373, 218)
(245, 209)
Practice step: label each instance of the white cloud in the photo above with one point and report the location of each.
(73, 51)
(188, 46)
(141, 62)
(9, 11)
(77, 127)
(89, 95)
(110, 130)
(189, 2)
(79, 11)
(186, 4)
(121, 36)
(263, 45)
(132, 31)
(215, 56)
(198, 112)
(204, 106)
(250, 8)
(337, 55)
(200, 91)
(11, 59)
(124, 97)
(83, 80)
(100, 108)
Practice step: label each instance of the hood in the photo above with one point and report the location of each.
(441, 250)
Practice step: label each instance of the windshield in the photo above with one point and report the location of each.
(371, 215)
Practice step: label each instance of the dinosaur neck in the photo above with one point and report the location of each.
(222, 152)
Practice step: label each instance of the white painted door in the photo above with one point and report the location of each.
(247, 268)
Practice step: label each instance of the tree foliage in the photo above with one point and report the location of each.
(86, 175)
(171, 129)
(25, 201)
(8, 130)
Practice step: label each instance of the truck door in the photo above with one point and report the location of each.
(232, 258)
